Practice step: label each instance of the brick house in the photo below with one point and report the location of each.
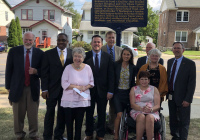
(179, 21)
(6, 15)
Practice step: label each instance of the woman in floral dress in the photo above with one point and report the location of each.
(145, 103)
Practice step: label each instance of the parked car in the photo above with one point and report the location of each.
(134, 50)
(2, 47)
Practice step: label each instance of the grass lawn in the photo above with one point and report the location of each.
(193, 53)
(6, 129)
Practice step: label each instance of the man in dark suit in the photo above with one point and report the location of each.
(143, 60)
(115, 53)
(181, 73)
(103, 72)
(22, 81)
(53, 64)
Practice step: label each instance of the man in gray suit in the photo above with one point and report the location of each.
(181, 73)
(115, 53)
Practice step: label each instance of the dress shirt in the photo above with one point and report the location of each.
(99, 56)
(147, 58)
(113, 49)
(30, 55)
(177, 68)
(64, 53)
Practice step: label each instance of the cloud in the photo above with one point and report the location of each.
(155, 4)
(82, 1)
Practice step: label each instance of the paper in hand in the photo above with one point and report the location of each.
(83, 94)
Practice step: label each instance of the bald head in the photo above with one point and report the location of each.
(150, 46)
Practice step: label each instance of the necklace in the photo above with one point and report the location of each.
(78, 68)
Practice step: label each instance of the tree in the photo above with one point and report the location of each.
(152, 26)
(12, 39)
(19, 31)
(76, 18)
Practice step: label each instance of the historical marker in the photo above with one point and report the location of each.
(119, 14)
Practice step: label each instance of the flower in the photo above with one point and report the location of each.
(138, 97)
(147, 90)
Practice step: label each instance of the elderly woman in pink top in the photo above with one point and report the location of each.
(76, 75)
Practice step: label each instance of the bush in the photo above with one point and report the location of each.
(139, 48)
(74, 41)
(83, 44)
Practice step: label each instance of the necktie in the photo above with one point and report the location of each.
(111, 53)
(62, 58)
(27, 65)
(171, 82)
(96, 63)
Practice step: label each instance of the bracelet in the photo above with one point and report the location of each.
(151, 110)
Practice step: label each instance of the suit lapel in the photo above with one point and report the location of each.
(181, 69)
(170, 66)
(69, 57)
(33, 58)
(56, 56)
(90, 60)
(103, 59)
(22, 58)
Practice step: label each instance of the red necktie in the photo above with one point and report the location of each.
(171, 82)
(27, 65)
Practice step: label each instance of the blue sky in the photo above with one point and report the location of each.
(79, 3)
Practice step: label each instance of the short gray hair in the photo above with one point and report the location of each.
(155, 52)
(79, 50)
(29, 33)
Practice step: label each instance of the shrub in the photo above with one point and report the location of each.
(83, 44)
(139, 48)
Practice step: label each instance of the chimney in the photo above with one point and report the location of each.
(37, 1)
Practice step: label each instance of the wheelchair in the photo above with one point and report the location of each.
(128, 125)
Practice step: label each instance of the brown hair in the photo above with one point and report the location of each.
(130, 60)
(145, 74)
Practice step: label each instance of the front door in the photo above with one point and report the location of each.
(44, 35)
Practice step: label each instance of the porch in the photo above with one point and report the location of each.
(43, 44)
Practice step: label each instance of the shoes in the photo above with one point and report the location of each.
(35, 138)
(88, 138)
(99, 138)
(21, 138)
(62, 138)
(109, 131)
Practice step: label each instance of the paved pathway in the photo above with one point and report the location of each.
(195, 113)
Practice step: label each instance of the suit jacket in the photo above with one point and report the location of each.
(52, 71)
(15, 73)
(185, 83)
(104, 79)
(142, 60)
(118, 51)
(132, 72)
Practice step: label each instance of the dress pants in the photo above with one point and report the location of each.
(112, 115)
(49, 119)
(179, 118)
(101, 112)
(20, 108)
(71, 115)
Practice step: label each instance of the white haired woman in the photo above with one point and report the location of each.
(76, 75)
(158, 73)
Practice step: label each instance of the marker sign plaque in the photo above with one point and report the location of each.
(119, 14)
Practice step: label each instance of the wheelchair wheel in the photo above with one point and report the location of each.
(163, 127)
(122, 131)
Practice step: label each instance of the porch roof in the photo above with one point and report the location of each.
(197, 30)
(86, 26)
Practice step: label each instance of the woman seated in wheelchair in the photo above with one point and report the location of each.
(125, 73)
(145, 104)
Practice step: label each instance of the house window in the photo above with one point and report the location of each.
(6, 15)
(182, 16)
(181, 36)
(90, 34)
(125, 38)
(24, 30)
(96, 32)
(49, 14)
(103, 34)
(27, 14)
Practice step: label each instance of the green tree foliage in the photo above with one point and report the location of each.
(152, 26)
(83, 44)
(12, 39)
(19, 31)
(76, 18)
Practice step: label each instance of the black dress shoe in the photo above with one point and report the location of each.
(62, 138)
